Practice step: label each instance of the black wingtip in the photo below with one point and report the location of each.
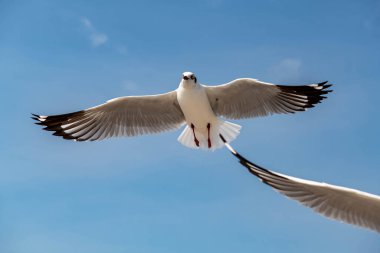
(323, 83)
(251, 167)
(222, 137)
(34, 116)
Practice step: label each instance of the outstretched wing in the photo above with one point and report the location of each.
(336, 202)
(247, 98)
(124, 116)
(340, 203)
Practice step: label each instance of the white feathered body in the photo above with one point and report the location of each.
(197, 110)
(192, 104)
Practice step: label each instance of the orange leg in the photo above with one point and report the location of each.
(195, 138)
(208, 135)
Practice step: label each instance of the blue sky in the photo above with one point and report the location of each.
(150, 194)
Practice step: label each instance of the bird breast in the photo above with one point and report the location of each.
(196, 106)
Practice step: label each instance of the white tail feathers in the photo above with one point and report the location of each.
(229, 131)
(186, 138)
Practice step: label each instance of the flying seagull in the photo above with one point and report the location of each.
(198, 106)
(336, 202)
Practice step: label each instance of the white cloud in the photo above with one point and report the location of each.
(130, 86)
(96, 38)
(287, 69)
(87, 23)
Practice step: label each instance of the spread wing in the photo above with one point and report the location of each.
(340, 203)
(124, 116)
(336, 202)
(246, 98)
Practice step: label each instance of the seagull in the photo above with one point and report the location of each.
(336, 202)
(202, 108)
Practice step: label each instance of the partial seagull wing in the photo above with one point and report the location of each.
(247, 98)
(124, 116)
(340, 203)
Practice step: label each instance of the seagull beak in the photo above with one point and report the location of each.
(185, 77)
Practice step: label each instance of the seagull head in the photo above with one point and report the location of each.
(189, 77)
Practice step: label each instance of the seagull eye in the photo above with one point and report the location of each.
(192, 77)
(185, 77)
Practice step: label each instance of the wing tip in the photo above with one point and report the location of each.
(54, 124)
